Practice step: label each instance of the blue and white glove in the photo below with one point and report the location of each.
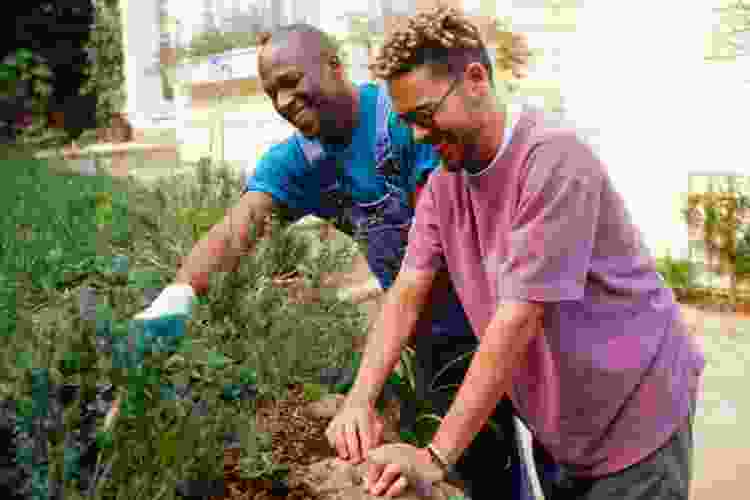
(162, 324)
(174, 300)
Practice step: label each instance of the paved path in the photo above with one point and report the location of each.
(722, 442)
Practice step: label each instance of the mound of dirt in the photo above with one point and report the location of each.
(297, 427)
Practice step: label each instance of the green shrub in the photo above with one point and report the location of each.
(246, 329)
(679, 274)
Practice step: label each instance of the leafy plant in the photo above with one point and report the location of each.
(246, 332)
(679, 274)
(721, 217)
(106, 77)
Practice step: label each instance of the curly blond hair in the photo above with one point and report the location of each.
(446, 41)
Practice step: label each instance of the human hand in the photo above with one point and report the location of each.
(393, 467)
(355, 430)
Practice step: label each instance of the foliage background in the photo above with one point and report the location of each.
(106, 78)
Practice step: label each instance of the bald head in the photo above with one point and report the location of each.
(300, 71)
(313, 38)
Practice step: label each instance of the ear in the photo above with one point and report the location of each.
(337, 67)
(334, 61)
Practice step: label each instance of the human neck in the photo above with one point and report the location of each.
(343, 116)
(489, 140)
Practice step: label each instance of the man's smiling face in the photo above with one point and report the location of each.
(436, 109)
(301, 80)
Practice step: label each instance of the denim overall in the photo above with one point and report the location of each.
(381, 228)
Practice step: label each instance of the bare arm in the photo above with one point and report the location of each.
(489, 376)
(391, 332)
(221, 248)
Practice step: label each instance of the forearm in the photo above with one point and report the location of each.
(211, 254)
(487, 380)
(390, 333)
(219, 250)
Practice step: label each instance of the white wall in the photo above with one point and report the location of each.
(636, 73)
(144, 98)
(243, 63)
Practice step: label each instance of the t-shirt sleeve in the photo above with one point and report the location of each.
(425, 251)
(278, 173)
(552, 233)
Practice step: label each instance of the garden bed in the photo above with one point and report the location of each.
(228, 390)
(298, 442)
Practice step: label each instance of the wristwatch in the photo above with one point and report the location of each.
(438, 460)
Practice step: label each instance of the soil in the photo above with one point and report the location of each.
(298, 441)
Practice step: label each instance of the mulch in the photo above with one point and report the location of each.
(298, 441)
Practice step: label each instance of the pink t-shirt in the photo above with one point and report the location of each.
(611, 378)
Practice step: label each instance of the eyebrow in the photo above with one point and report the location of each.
(272, 78)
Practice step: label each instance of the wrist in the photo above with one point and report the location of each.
(440, 458)
(360, 397)
(197, 281)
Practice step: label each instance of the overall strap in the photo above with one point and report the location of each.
(382, 132)
(313, 151)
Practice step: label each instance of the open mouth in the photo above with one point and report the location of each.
(444, 148)
(302, 118)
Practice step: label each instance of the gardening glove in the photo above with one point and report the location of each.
(355, 430)
(174, 300)
(162, 324)
(394, 467)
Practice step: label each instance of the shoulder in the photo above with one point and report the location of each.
(283, 157)
(556, 144)
(286, 151)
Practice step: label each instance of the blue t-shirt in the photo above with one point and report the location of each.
(285, 174)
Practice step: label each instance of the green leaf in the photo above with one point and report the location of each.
(408, 437)
(104, 440)
(7, 73)
(342, 388)
(313, 392)
(248, 376)
(168, 444)
(24, 55)
(215, 360)
(25, 360)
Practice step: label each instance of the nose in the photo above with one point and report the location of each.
(284, 99)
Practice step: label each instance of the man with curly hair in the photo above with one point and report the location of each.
(575, 324)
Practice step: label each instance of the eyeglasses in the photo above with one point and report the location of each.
(424, 115)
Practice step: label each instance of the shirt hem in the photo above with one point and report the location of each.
(618, 467)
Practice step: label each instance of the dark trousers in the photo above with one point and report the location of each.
(665, 474)
(489, 468)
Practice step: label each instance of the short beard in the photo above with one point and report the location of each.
(470, 141)
(473, 104)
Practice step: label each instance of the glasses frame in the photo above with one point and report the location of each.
(413, 117)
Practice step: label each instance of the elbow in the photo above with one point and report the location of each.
(410, 292)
